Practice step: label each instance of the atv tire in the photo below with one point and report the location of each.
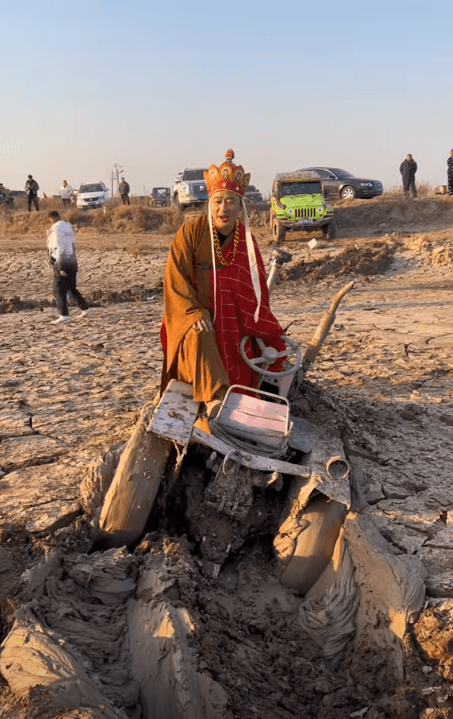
(130, 497)
(329, 231)
(314, 545)
(278, 232)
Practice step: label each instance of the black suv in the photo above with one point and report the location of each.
(160, 197)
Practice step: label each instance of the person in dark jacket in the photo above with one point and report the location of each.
(31, 188)
(124, 191)
(408, 168)
(450, 173)
(63, 259)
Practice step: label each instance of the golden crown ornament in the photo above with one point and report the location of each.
(227, 176)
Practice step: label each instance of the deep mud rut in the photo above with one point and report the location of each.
(383, 382)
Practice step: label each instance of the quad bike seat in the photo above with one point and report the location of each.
(252, 419)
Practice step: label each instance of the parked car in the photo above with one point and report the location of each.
(190, 190)
(341, 183)
(6, 199)
(298, 203)
(18, 194)
(253, 194)
(160, 197)
(91, 194)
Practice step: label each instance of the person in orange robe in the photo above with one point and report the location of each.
(209, 306)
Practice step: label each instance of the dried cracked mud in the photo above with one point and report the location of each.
(383, 382)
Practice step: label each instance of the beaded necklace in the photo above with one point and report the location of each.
(218, 249)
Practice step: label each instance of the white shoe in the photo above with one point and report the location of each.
(62, 318)
(86, 313)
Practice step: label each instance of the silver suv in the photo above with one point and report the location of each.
(190, 189)
(91, 194)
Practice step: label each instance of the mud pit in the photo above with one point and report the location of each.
(382, 383)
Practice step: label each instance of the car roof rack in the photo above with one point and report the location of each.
(294, 176)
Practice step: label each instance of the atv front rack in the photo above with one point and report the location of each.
(324, 465)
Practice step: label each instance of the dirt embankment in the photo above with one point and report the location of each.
(394, 214)
(109, 219)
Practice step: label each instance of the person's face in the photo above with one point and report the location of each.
(409, 158)
(64, 183)
(225, 209)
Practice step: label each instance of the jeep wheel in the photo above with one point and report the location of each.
(331, 230)
(278, 232)
(348, 193)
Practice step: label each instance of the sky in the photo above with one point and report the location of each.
(157, 86)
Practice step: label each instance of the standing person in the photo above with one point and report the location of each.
(63, 259)
(66, 193)
(215, 293)
(124, 191)
(2, 194)
(408, 168)
(31, 188)
(450, 173)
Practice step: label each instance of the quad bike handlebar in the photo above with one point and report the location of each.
(269, 355)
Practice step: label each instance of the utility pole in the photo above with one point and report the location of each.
(118, 171)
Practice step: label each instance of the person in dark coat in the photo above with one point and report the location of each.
(408, 168)
(124, 191)
(450, 173)
(31, 188)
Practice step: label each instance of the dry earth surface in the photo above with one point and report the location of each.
(385, 374)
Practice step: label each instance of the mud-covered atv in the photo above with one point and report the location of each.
(254, 453)
(258, 470)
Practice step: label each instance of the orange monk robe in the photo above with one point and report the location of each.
(211, 361)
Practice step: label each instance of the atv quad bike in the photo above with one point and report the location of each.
(254, 444)
(258, 469)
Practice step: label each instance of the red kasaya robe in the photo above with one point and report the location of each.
(211, 361)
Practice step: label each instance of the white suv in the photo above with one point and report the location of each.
(91, 194)
(190, 190)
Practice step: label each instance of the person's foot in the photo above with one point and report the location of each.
(86, 313)
(213, 408)
(61, 318)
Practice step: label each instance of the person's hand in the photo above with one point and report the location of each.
(203, 325)
(62, 273)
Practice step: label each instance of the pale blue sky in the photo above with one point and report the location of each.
(159, 86)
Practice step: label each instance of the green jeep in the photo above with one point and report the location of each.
(298, 203)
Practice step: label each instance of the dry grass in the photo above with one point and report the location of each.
(113, 217)
(133, 218)
(123, 219)
(424, 189)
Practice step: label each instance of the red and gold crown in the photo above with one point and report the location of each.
(227, 176)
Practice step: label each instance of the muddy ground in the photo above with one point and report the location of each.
(384, 376)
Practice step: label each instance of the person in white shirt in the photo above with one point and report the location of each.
(63, 259)
(66, 193)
